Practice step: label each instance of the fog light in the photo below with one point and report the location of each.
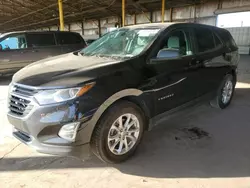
(68, 132)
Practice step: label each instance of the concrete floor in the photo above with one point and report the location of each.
(171, 155)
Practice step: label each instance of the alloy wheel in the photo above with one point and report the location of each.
(227, 92)
(123, 134)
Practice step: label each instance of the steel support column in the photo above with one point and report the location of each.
(82, 27)
(162, 10)
(171, 14)
(195, 13)
(151, 17)
(60, 7)
(99, 28)
(123, 13)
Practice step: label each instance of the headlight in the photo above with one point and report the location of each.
(59, 95)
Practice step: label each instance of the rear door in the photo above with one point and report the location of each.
(209, 54)
(41, 46)
(70, 41)
(12, 52)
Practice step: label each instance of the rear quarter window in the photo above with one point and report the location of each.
(227, 39)
(69, 38)
(205, 39)
(217, 41)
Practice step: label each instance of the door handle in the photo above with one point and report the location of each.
(194, 62)
(34, 51)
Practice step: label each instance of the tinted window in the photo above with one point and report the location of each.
(205, 39)
(68, 38)
(14, 42)
(227, 39)
(177, 40)
(217, 41)
(40, 39)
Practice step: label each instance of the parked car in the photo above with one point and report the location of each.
(103, 98)
(18, 49)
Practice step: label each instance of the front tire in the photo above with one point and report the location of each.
(225, 93)
(118, 132)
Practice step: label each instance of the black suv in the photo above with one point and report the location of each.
(18, 49)
(104, 97)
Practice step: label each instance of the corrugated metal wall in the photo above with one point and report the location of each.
(241, 36)
(204, 14)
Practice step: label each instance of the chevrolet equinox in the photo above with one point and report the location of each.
(102, 98)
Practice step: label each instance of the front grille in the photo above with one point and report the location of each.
(19, 106)
(23, 91)
(20, 100)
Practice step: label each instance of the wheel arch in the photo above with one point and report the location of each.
(132, 95)
(142, 105)
(234, 74)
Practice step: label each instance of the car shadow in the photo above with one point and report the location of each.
(204, 142)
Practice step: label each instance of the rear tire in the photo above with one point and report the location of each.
(118, 132)
(225, 93)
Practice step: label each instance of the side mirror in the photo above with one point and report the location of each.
(168, 53)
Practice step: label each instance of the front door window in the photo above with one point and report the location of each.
(175, 43)
(13, 42)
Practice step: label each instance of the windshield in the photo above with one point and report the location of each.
(121, 43)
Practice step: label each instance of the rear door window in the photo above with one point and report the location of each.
(40, 39)
(218, 43)
(68, 38)
(13, 42)
(205, 39)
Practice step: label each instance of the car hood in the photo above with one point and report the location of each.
(64, 70)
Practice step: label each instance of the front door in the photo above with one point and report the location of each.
(176, 75)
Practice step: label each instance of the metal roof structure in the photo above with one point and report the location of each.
(32, 14)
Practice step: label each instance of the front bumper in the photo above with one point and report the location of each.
(81, 151)
(39, 130)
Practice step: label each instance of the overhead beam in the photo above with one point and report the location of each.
(22, 6)
(53, 19)
(28, 14)
(10, 9)
(139, 6)
(96, 3)
(41, 4)
(143, 10)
